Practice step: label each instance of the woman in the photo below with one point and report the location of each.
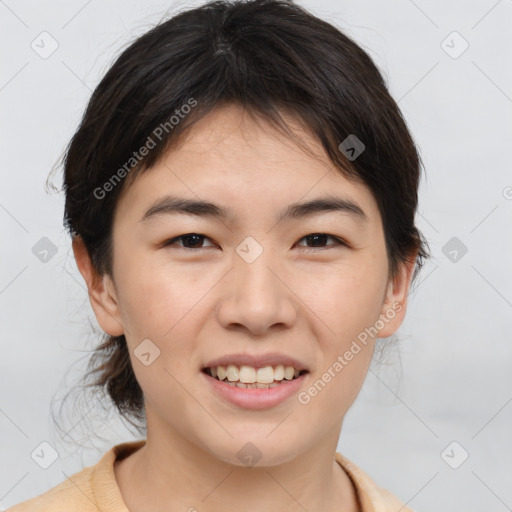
(241, 196)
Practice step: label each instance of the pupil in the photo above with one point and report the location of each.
(193, 236)
(316, 237)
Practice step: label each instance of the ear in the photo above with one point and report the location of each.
(395, 300)
(101, 291)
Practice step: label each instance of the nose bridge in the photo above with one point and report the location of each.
(255, 296)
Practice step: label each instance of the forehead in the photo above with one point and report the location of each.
(234, 137)
(236, 158)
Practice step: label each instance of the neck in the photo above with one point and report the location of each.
(170, 473)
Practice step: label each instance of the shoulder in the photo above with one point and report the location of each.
(373, 498)
(73, 493)
(92, 489)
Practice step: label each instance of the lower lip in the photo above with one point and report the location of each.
(254, 398)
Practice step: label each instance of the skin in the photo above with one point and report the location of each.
(297, 298)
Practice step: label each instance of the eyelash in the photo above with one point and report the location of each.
(339, 241)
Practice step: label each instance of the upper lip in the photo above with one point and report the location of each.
(256, 361)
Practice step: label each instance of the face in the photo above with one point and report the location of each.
(266, 286)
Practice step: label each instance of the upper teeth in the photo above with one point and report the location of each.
(249, 374)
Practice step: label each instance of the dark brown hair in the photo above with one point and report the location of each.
(267, 56)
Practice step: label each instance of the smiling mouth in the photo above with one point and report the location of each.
(250, 377)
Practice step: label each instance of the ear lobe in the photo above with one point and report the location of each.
(101, 291)
(395, 302)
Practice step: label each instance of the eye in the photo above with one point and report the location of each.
(190, 241)
(193, 241)
(318, 239)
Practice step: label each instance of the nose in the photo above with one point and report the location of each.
(256, 297)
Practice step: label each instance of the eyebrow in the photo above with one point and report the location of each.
(178, 205)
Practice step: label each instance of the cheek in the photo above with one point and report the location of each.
(350, 305)
(162, 306)
(154, 297)
(166, 306)
(347, 298)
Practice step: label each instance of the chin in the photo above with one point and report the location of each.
(248, 448)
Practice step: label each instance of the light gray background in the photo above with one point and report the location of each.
(450, 379)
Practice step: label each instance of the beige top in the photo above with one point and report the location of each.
(95, 488)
